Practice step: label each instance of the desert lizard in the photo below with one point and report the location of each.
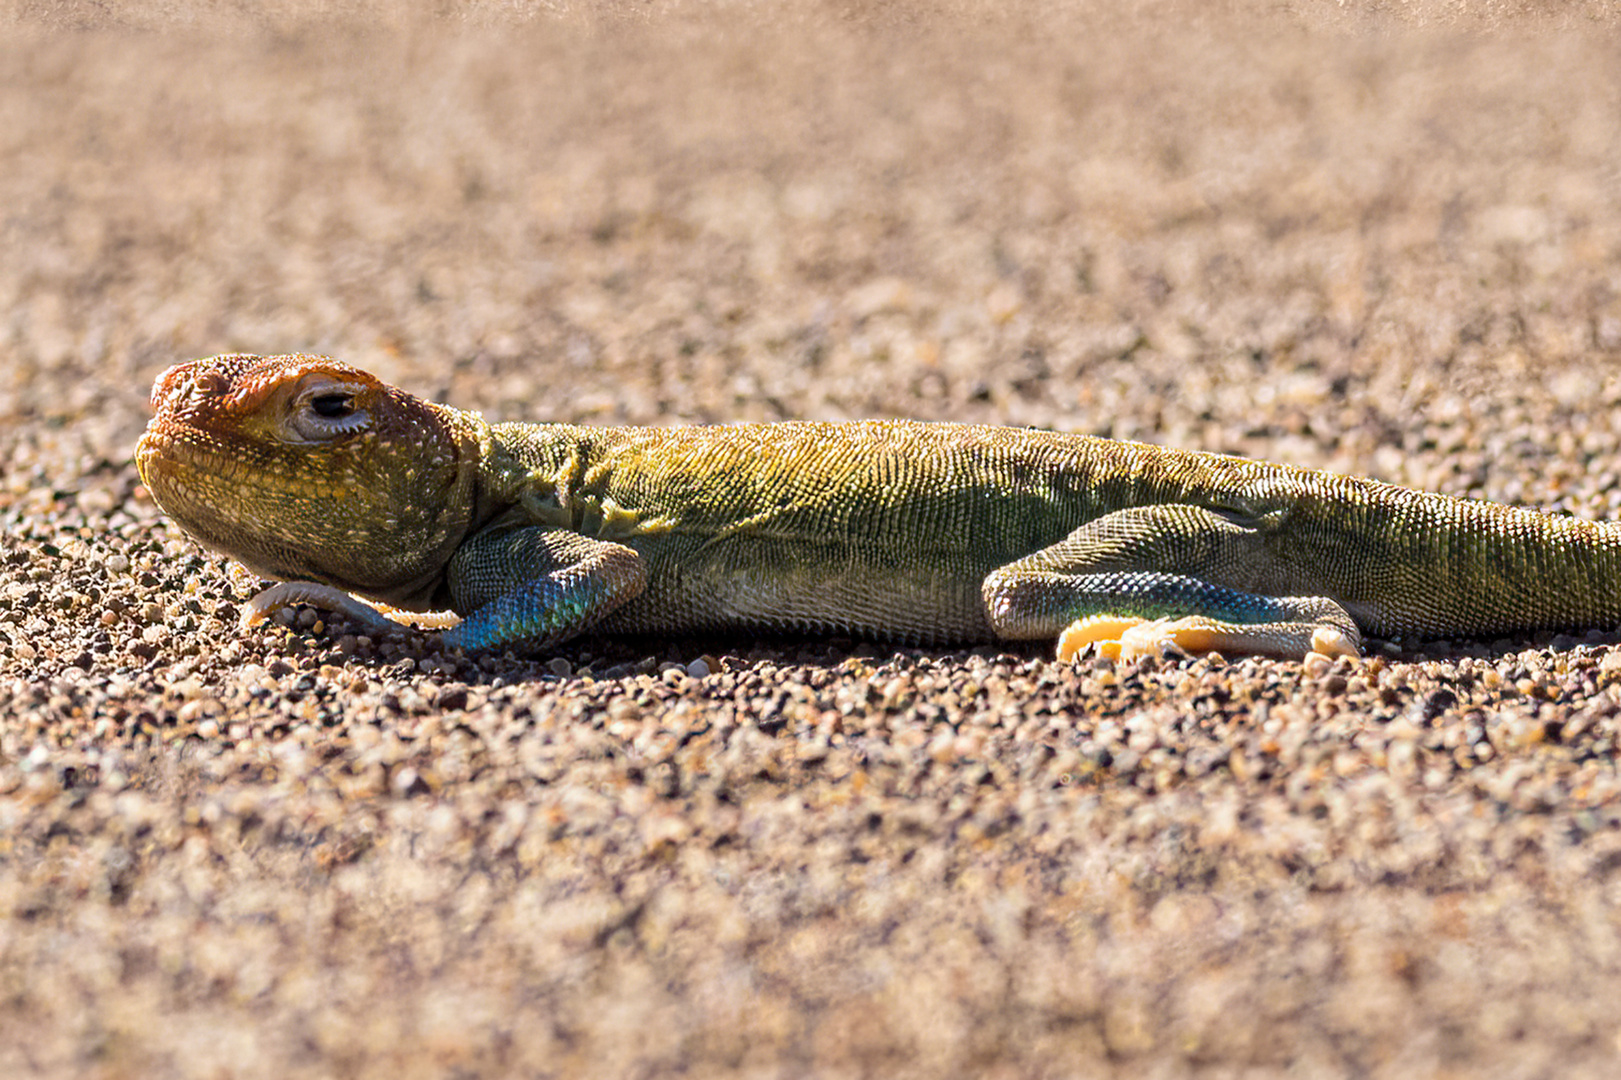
(314, 472)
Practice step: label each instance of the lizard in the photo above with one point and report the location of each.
(317, 473)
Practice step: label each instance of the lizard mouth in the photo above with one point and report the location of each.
(181, 474)
(216, 475)
(183, 479)
(164, 468)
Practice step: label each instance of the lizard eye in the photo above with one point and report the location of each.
(329, 411)
(332, 406)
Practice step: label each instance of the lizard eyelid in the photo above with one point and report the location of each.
(326, 412)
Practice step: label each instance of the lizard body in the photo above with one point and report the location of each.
(308, 470)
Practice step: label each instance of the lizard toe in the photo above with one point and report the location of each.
(1331, 641)
(1104, 631)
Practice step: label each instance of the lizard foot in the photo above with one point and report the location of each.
(375, 620)
(1127, 638)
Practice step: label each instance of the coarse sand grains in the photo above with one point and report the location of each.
(1383, 239)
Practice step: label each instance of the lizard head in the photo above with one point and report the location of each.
(303, 468)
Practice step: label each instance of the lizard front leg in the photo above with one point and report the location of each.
(535, 586)
(1141, 580)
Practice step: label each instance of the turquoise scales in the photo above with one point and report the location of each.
(316, 473)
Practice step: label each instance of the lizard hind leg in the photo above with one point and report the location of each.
(1145, 580)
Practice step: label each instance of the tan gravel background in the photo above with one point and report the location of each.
(1382, 239)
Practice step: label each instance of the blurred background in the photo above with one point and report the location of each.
(1352, 235)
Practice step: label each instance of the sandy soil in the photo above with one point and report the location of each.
(1384, 240)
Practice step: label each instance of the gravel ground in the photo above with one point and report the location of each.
(1383, 242)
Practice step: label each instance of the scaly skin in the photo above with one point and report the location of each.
(314, 472)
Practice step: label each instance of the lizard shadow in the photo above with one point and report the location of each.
(612, 657)
(618, 656)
